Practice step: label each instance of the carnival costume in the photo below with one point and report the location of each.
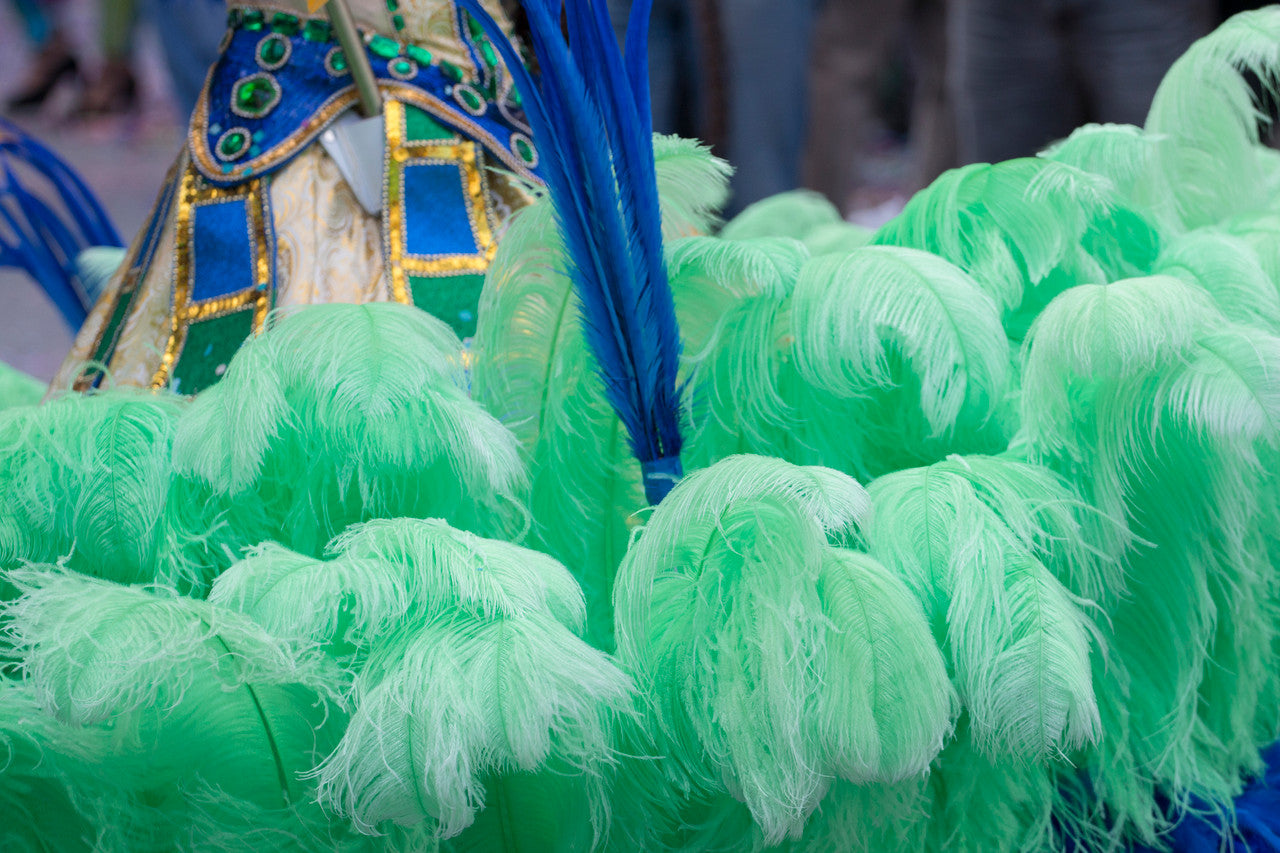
(616, 586)
(255, 214)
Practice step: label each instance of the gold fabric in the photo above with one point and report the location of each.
(328, 249)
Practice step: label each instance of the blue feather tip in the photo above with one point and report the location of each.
(591, 118)
(43, 231)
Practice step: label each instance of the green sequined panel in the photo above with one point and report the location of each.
(208, 349)
(451, 298)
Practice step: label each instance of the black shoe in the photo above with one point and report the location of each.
(53, 64)
(114, 92)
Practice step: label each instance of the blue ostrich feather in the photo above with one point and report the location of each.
(591, 120)
(43, 231)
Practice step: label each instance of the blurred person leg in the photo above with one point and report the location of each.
(114, 90)
(851, 44)
(1010, 78)
(674, 78)
(1123, 48)
(53, 61)
(766, 46)
(190, 31)
(933, 126)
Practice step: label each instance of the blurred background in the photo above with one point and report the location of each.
(864, 101)
(95, 82)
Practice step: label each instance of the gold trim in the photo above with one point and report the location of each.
(400, 155)
(192, 193)
(393, 121)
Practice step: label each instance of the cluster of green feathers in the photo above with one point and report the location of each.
(978, 550)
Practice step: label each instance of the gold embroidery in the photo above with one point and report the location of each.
(192, 193)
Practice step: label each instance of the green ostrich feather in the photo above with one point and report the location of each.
(202, 708)
(1025, 230)
(476, 705)
(1215, 166)
(383, 573)
(1229, 270)
(732, 296)
(1156, 408)
(803, 215)
(771, 659)
(87, 482)
(18, 389)
(51, 779)
(341, 413)
(1019, 642)
(902, 358)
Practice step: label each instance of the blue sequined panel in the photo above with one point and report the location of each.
(281, 80)
(223, 250)
(436, 207)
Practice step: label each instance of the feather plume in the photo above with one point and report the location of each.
(693, 185)
(1017, 639)
(1215, 166)
(87, 481)
(381, 573)
(455, 699)
(534, 372)
(591, 119)
(907, 349)
(196, 697)
(804, 215)
(47, 768)
(1143, 395)
(470, 680)
(753, 637)
(1227, 269)
(1025, 230)
(18, 389)
(342, 413)
(732, 298)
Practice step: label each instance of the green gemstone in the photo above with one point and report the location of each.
(392, 5)
(420, 55)
(384, 47)
(234, 17)
(272, 50)
(403, 67)
(451, 71)
(338, 61)
(490, 58)
(398, 20)
(253, 20)
(316, 31)
(285, 23)
(255, 96)
(232, 144)
(472, 100)
(525, 151)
